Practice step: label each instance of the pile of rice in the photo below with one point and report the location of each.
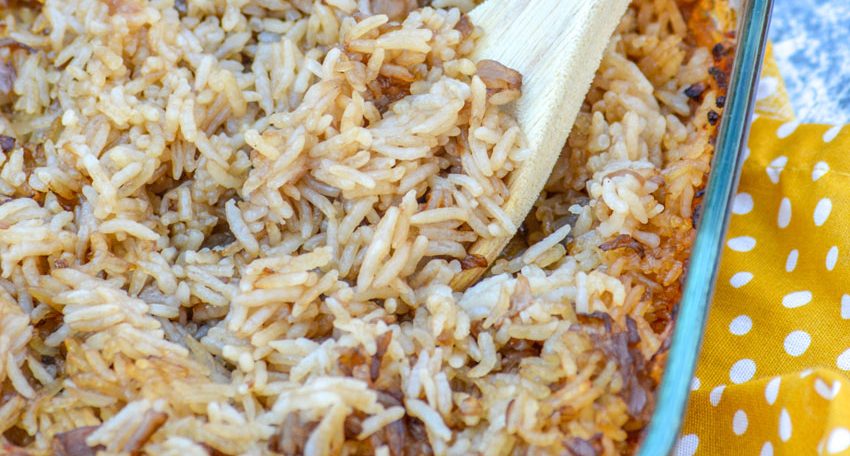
(229, 227)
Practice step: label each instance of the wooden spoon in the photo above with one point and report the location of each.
(557, 45)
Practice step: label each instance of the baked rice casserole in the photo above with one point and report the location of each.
(228, 227)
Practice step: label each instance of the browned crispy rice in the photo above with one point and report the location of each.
(227, 227)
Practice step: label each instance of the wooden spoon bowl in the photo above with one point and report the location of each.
(557, 45)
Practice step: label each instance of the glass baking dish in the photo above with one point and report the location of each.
(672, 394)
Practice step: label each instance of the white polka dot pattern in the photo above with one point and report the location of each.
(695, 383)
(742, 324)
(785, 427)
(775, 168)
(742, 204)
(843, 361)
(822, 211)
(820, 169)
(687, 445)
(783, 219)
(838, 441)
(740, 422)
(831, 258)
(791, 262)
(766, 88)
(782, 305)
(797, 342)
(797, 299)
(771, 391)
(740, 279)
(716, 394)
(742, 244)
(845, 307)
(787, 129)
(830, 134)
(825, 391)
(742, 371)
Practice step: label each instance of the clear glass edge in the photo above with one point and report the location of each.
(672, 394)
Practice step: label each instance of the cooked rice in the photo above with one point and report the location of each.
(228, 227)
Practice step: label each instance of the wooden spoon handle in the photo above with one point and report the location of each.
(557, 45)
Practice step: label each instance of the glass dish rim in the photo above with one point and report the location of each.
(672, 394)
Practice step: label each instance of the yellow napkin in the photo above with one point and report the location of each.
(772, 377)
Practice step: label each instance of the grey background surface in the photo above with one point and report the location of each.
(811, 44)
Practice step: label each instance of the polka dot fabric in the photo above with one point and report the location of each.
(774, 373)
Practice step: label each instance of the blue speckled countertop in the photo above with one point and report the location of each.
(811, 44)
